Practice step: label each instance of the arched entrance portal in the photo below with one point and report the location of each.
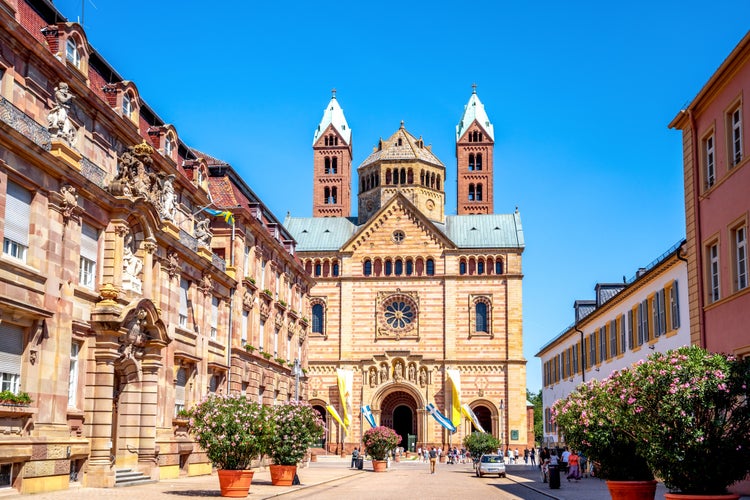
(399, 412)
(484, 415)
(322, 441)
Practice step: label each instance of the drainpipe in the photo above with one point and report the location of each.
(698, 240)
(583, 348)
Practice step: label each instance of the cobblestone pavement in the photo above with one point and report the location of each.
(331, 478)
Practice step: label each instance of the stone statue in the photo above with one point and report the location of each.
(412, 373)
(136, 336)
(373, 377)
(59, 123)
(422, 377)
(398, 371)
(168, 198)
(134, 176)
(383, 373)
(203, 233)
(131, 264)
(69, 201)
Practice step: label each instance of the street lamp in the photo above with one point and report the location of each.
(296, 371)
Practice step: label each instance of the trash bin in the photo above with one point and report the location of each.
(360, 463)
(554, 477)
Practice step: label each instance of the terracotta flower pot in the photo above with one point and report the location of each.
(235, 483)
(682, 496)
(282, 475)
(632, 490)
(379, 465)
(313, 457)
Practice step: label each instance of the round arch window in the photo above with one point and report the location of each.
(398, 236)
(399, 314)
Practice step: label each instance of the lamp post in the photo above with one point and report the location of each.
(296, 371)
(502, 429)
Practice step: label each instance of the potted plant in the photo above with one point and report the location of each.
(694, 409)
(378, 441)
(233, 431)
(595, 420)
(249, 348)
(266, 355)
(294, 427)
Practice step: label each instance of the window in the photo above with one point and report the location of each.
(213, 383)
(317, 318)
(262, 273)
(740, 257)
(368, 268)
(262, 335)
(709, 163)
(603, 344)
(622, 334)
(168, 146)
(479, 161)
(592, 349)
(575, 359)
(16, 240)
(183, 312)
(399, 267)
(481, 318)
(480, 267)
(674, 307)
(613, 338)
(318, 269)
(498, 266)
(335, 268)
(479, 192)
(89, 250)
(430, 267)
(127, 105)
(11, 350)
(472, 161)
(409, 267)
(630, 329)
(72, 54)
(214, 317)
(73, 375)
(245, 319)
(713, 272)
(180, 384)
(736, 137)
(643, 322)
(275, 342)
(277, 284)
(462, 267)
(472, 193)
(388, 267)
(660, 314)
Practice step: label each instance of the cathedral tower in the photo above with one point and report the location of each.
(475, 141)
(402, 163)
(332, 164)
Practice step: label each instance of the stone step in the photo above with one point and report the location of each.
(129, 477)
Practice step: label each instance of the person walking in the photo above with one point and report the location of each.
(433, 459)
(355, 456)
(532, 455)
(573, 469)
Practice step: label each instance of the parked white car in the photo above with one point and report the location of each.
(490, 464)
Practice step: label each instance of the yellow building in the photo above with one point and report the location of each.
(406, 294)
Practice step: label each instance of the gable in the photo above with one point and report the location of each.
(377, 236)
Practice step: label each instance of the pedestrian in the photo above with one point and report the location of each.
(573, 463)
(564, 459)
(419, 453)
(532, 455)
(526, 456)
(510, 456)
(433, 459)
(355, 456)
(515, 456)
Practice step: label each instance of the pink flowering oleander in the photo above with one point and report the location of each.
(295, 427)
(379, 440)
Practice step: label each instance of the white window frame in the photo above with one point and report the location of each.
(674, 305)
(16, 238)
(275, 342)
(127, 105)
(243, 329)
(73, 52)
(736, 136)
(261, 334)
(75, 349)
(184, 300)
(714, 279)
(740, 257)
(89, 253)
(214, 317)
(709, 158)
(168, 146)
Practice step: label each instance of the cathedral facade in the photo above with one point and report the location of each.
(417, 306)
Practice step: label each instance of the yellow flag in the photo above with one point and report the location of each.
(336, 416)
(346, 383)
(455, 378)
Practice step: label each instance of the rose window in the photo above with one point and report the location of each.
(399, 314)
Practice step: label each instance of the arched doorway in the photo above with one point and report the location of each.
(484, 415)
(399, 412)
(322, 441)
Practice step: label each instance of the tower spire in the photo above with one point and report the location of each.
(332, 163)
(475, 143)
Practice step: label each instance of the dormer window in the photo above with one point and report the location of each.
(168, 146)
(127, 105)
(72, 54)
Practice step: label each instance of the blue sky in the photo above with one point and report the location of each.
(580, 94)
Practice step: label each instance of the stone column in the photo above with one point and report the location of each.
(100, 473)
(147, 457)
(148, 268)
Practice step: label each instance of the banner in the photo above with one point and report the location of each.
(368, 415)
(346, 383)
(472, 416)
(442, 419)
(455, 377)
(336, 416)
(226, 214)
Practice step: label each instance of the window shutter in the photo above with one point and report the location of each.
(11, 348)
(89, 242)
(179, 386)
(17, 214)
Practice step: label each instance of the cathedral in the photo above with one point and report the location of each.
(413, 307)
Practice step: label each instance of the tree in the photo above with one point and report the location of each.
(536, 400)
(480, 442)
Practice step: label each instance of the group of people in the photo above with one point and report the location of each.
(568, 461)
(514, 456)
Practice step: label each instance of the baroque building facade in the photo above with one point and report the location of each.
(122, 302)
(406, 294)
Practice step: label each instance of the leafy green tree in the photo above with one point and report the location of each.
(481, 442)
(536, 400)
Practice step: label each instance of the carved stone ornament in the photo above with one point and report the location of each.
(131, 265)
(265, 310)
(302, 336)
(278, 321)
(69, 202)
(248, 301)
(206, 284)
(59, 123)
(133, 342)
(202, 232)
(172, 265)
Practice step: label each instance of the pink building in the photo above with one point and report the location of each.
(717, 205)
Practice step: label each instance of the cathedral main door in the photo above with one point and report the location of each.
(399, 412)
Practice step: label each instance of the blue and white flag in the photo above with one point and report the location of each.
(442, 419)
(368, 415)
